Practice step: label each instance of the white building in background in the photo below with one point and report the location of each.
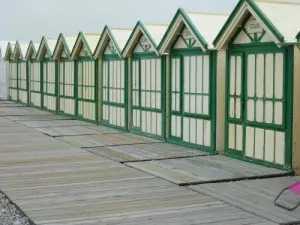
(3, 79)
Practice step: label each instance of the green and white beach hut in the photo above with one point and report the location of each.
(86, 77)
(114, 77)
(262, 82)
(12, 72)
(22, 72)
(48, 74)
(195, 80)
(147, 80)
(34, 72)
(66, 75)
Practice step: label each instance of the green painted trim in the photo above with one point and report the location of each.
(181, 12)
(141, 26)
(179, 54)
(81, 35)
(290, 105)
(44, 40)
(137, 58)
(66, 47)
(108, 59)
(77, 99)
(256, 161)
(287, 102)
(258, 11)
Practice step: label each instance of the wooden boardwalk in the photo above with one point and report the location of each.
(107, 140)
(215, 168)
(54, 182)
(145, 152)
(256, 196)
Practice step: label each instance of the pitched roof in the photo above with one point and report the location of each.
(67, 42)
(20, 50)
(32, 49)
(154, 33)
(48, 44)
(118, 35)
(9, 50)
(277, 17)
(90, 40)
(204, 26)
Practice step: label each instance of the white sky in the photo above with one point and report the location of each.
(27, 20)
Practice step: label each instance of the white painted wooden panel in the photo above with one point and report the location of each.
(87, 110)
(176, 126)
(250, 142)
(13, 94)
(280, 148)
(269, 75)
(175, 84)
(278, 75)
(23, 96)
(259, 143)
(35, 99)
(269, 145)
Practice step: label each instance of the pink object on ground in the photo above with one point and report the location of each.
(295, 188)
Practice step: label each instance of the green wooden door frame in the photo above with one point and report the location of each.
(82, 59)
(138, 57)
(109, 58)
(59, 96)
(19, 62)
(43, 93)
(17, 80)
(41, 85)
(287, 100)
(181, 53)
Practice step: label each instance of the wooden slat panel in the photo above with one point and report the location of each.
(256, 196)
(204, 169)
(107, 140)
(126, 153)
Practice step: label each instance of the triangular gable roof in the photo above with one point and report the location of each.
(20, 50)
(204, 26)
(119, 36)
(48, 45)
(32, 50)
(154, 33)
(277, 17)
(89, 40)
(9, 51)
(66, 43)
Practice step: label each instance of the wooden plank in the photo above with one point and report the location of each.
(56, 183)
(256, 196)
(215, 168)
(142, 152)
(54, 123)
(20, 111)
(107, 140)
(38, 117)
(76, 130)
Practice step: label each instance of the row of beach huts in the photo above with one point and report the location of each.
(215, 82)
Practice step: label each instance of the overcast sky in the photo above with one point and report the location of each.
(31, 19)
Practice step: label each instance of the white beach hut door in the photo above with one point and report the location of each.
(66, 88)
(147, 96)
(256, 108)
(49, 82)
(190, 100)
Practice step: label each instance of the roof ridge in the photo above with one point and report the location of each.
(287, 2)
(129, 29)
(209, 13)
(154, 24)
(95, 34)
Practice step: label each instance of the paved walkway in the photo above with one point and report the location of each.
(54, 181)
